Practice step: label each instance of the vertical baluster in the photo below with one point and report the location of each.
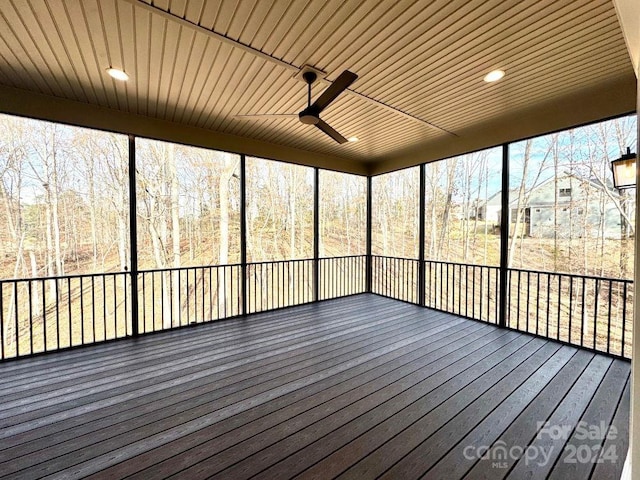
(210, 316)
(624, 316)
(335, 279)
(460, 290)
(15, 306)
(447, 285)
(537, 301)
(2, 342)
(229, 299)
(44, 315)
(170, 306)
(583, 316)
(609, 319)
(81, 312)
(104, 304)
(473, 291)
(331, 278)
(144, 305)
(402, 279)
(57, 304)
(548, 303)
(93, 306)
(344, 279)
(69, 310)
(453, 288)
(518, 301)
(296, 282)
(509, 274)
(30, 300)
(595, 314)
(496, 272)
(125, 294)
(466, 290)
(224, 286)
(481, 289)
(559, 303)
(570, 307)
(190, 301)
(394, 278)
(203, 292)
(115, 305)
(179, 286)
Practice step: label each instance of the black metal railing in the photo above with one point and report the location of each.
(395, 277)
(45, 314)
(587, 311)
(175, 297)
(463, 289)
(342, 276)
(279, 284)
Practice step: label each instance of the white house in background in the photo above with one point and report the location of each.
(582, 208)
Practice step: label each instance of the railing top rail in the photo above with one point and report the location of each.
(186, 267)
(573, 275)
(447, 262)
(264, 262)
(63, 277)
(343, 256)
(396, 258)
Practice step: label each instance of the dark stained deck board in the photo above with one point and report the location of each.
(160, 402)
(523, 429)
(162, 420)
(357, 387)
(340, 329)
(193, 346)
(309, 426)
(583, 446)
(400, 410)
(604, 469)
(197, 363)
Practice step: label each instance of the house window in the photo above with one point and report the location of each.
(565, 192)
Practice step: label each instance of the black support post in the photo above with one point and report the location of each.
(316, 234)
(133, 236)
(243, 234)
(421, 237)
(369, 272)
(504, 237)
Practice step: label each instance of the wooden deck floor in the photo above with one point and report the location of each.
(359, 387)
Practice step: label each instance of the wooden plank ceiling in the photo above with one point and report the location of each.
(420, 62)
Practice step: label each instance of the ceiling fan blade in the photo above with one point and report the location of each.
(266, 116)
(329, 130)
(340, 84)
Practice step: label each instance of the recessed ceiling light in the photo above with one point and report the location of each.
(117, 74)
(494, 76)
(353, 139)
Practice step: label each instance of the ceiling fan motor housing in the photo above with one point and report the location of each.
(309, 116)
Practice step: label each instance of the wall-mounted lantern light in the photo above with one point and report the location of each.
(624, 171)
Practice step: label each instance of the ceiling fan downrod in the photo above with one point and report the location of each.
(308, 116)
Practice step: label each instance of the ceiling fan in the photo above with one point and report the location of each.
(311, 114)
